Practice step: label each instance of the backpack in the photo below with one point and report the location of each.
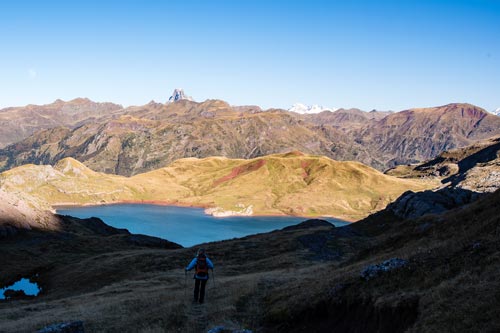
(201, 265)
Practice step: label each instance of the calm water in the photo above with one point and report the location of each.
(29, 288)
(185, 226)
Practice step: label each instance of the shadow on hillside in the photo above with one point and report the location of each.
(485, 155)
(413, 205)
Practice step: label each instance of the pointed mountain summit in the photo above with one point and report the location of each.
(178, 95)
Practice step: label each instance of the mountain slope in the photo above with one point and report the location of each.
(420, 134)
(466, 174)
(21, 211)
(475, 167)
(17, 123)
(291, 183)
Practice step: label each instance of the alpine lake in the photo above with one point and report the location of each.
(184, 225)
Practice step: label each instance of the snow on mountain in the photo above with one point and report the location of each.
(308, 109)
(496, 112)
(178, 95)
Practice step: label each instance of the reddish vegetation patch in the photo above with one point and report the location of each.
(474, 113)
(304, 165)
(241, 170)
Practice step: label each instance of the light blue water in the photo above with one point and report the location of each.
(29, 288)
(184, 226)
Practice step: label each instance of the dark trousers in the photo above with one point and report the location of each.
(199, 293)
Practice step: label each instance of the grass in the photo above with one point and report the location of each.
(279, 184)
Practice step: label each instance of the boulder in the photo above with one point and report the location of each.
(66, 327)
(372, 271)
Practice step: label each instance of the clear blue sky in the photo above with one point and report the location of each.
(368, 54)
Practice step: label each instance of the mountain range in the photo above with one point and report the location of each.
(18, 123)
(138, 139)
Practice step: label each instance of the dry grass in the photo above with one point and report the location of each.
(276, 282)
(280, 184)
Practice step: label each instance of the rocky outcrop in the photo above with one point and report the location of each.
(413, 205)
(467, 173)
(372, 271)
(66, 327)
(178, 95)
(227, 329)
(241, 210)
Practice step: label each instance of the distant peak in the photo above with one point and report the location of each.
(78, 100)
(81, 100)
(308, 109)
(178, 95)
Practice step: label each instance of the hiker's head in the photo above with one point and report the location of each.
(201, 251)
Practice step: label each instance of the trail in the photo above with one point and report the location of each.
(197, 317)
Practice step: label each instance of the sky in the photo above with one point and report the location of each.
(384, 55)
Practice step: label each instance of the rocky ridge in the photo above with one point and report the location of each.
(18, 123)
(178, 95)
(466, 174)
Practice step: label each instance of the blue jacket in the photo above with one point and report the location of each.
(192, 265)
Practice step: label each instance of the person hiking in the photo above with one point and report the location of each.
(201, 264)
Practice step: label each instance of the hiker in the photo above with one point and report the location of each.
(201, 264)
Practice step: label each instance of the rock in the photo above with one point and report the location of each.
(477, 246)
(413, 205)
(221, 212)
(372, 271)
(178, 95)
(317, 243)
(67, 327)
(223, 329)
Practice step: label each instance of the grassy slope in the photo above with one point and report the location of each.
(287, 281)
(290, 183)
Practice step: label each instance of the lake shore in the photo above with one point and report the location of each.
(68, 205)
(187, 226)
